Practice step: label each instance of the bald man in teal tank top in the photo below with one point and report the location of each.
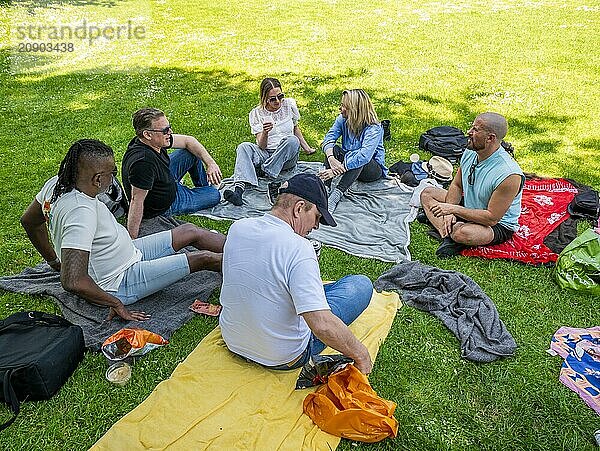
(483, 203)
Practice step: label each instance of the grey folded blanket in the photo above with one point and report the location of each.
(373, 218)
(169, 308)
(458, 302)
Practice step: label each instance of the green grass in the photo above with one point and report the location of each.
(424, 64)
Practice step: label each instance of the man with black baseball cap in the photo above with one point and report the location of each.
(306, 186)
(276, 310)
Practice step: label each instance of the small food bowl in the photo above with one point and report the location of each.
(118, 373)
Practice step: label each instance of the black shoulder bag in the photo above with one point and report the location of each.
(38, 353)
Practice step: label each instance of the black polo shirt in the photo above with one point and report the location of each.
(147, 169)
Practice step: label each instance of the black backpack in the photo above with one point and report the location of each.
(585, 205)
(38, 353)
(444, 141)
(114, 198)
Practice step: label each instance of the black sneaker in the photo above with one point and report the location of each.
(433, 233)
(449, 248)
(235, 197)
(273, 191)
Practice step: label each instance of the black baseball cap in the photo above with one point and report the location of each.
(310, 187)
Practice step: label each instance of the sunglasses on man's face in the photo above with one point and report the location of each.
(164, 131)
(471, 178)
(279, 97)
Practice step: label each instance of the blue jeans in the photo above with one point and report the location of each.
(160, 267)
(347, 298)
(190, 200)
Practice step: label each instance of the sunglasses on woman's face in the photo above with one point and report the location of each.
(278, 98)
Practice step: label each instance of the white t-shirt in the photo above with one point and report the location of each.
(284, 120)
(78, 221)
(270, 276)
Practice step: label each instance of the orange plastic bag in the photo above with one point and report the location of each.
(348, 407)
(131, 342)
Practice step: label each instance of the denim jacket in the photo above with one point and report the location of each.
(358, 151)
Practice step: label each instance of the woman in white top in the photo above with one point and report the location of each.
(278, 138)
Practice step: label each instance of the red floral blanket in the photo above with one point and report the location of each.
(543, 208)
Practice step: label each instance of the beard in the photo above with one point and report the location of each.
(469, 144)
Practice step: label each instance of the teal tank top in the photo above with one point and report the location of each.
(488, 175)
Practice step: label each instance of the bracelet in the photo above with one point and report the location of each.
(330, 156)
(53, 262)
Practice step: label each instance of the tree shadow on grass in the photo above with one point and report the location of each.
(591, 143)
(544, 146)
(15, 62)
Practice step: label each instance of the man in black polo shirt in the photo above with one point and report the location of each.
(151, 176)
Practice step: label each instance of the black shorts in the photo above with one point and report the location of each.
(501, 234)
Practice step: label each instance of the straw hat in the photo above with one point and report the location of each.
(439, 168)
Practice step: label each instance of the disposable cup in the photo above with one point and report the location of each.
(118, 373)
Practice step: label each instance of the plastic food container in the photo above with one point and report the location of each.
(118, 373)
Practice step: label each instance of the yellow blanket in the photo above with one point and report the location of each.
(214, 400)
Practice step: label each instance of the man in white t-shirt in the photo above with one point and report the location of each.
(96, 258)
(276, 310)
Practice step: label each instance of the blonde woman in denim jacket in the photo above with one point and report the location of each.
(361, 155)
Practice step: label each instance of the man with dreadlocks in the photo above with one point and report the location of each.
(95, 255)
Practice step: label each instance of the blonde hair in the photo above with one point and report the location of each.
(360, 110)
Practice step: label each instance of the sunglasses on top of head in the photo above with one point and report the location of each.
(279, 97)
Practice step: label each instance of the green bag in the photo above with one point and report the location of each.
(578, 265)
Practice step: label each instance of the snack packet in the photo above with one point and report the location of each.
(319, 368)
(131, 342)
(205, 308)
